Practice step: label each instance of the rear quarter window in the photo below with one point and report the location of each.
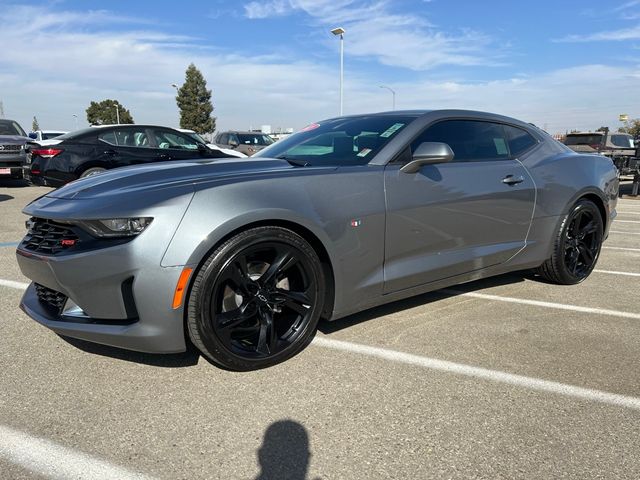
(519, 140)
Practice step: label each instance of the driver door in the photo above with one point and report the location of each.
(453, 218)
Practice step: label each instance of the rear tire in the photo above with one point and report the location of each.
(92, 171)
(256, 300)
(576, 246)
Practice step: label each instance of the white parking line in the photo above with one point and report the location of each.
(622, 248)
(12, 284)
(625, 221)
(613, 272)
(624, 233)
(50, 460)
(483, 373)
(538, 303)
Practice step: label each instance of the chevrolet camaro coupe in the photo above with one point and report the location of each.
(244, 257)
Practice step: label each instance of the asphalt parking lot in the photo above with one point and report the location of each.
(504, 378)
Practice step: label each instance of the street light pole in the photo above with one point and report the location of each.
(117, 114)
(339, 31)
(393, 92)
(75, 118)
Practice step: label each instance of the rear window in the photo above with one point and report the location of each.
(9, 127)
(519, 140)
(623, 141)
(583, 139)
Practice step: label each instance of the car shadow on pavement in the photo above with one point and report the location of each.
(5, 197)
(13, 183)
(413, 302)
(285, 452)
(172, 360)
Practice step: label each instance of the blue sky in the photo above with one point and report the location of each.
(559, 64)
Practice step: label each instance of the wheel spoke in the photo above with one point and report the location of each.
(298, 297)
(296, 307)
(233, 318)
(573, 260)
(267, 336)
(590, 227)
(282, 263)
(236, 273)
(575, 230)
(587, 254)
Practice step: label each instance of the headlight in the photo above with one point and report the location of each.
(117, 227)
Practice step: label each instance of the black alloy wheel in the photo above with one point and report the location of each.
(257, 299)
(577, 245)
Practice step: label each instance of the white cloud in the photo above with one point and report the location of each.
(375, 30)
(273, 8)
(55, 72)
(632, 33)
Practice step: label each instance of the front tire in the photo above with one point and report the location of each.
(257, 299)
(576, 247)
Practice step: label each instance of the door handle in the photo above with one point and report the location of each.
(110, 152)
(511, 180)
(164, 156)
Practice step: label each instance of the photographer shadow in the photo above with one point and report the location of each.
(285, 452)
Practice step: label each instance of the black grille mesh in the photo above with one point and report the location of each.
(51, 298)
(46, 236)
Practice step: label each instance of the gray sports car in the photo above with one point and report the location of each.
(243, 257)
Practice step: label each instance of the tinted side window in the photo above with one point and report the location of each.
(223, 139)
(519, 140)
(469, 139)
(166, 139)
(126, 138)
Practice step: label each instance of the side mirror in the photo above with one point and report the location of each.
(428, 153)
(233, 143)
(202, 148)
(33, 135)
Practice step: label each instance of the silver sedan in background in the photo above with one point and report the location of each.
(243, 258)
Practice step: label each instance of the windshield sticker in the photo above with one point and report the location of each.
(391, 130)
(501, 146)
(364, 152)
(312, 126)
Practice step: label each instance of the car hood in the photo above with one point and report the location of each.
(13, 139)
(173, 174)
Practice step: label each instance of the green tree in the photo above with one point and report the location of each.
(631, 127)
(194, 102)
(35, 126)
(603, 129)
(104, 113)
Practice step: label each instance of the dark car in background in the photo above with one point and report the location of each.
(96, 149)
(13, 156)
(245, 142)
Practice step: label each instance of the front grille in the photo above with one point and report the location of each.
(51, 298)
(47, 236)
(12, 149)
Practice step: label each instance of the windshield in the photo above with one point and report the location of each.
(254, 139)
(196, 137)
(9, 127)
(623, 141)
(342, 141)
(588, 139)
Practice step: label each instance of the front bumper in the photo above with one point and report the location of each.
(125, 297)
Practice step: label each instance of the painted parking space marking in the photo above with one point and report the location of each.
(624, 233)
(530, 383)
(538, 303)
(622, 248)
(613, 272)
(625, 221)
(13, 284)
(51, 460)
(15, 244)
